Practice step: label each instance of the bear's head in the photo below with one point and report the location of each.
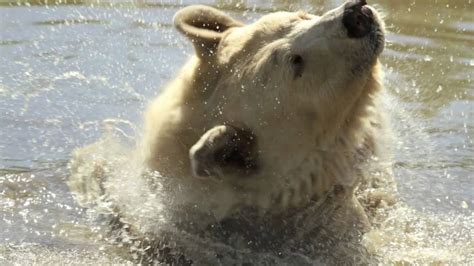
(299, 86)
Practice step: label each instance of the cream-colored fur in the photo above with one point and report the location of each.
(315, 129)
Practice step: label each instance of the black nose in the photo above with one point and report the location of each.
(357, 19)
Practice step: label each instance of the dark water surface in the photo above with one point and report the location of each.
(68, 72)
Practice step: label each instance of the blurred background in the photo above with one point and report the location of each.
(66, 66)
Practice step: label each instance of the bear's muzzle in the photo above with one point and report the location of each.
(358, 19)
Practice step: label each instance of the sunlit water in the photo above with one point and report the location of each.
(71, 74)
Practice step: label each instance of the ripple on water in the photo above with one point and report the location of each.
(13, 42)
(403, 39)
(464, 26)
(70, 21)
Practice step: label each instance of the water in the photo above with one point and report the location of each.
(72, 73)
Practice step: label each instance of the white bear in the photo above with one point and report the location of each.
(270, 134)
(273, 114)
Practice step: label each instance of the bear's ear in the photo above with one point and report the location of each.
(204, 26)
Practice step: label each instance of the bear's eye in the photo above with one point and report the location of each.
(298, 65)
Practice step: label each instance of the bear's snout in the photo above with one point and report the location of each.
(357, 19)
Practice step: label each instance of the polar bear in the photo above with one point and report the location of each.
(271, 139)
(271, 115)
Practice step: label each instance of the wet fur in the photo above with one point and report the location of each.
(295, 163)
(303, 152)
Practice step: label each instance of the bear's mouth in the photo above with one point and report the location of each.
(358, 19)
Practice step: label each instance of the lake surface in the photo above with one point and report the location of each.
(68, 72)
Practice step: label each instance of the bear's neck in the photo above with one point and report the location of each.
(352, 123)
(352, 141)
